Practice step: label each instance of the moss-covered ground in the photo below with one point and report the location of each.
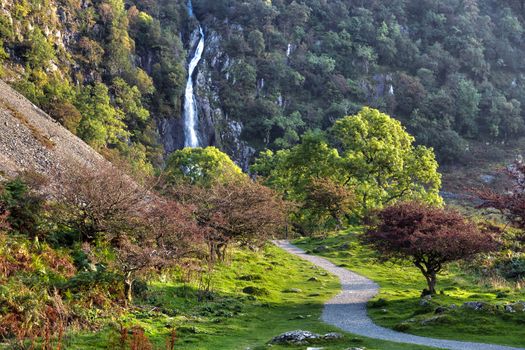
(284, 299)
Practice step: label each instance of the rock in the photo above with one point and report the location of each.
(453, 306)
(292, 290)
(433, 319)
(508, 308)
(344, 246)
(425, 301)
(320, 249)
(356, 349)
(313, 279)
(515, 307)
(252, 290)
(332, 336)
(488, 179)
(297, 337)
(474, 305)
(440, 310)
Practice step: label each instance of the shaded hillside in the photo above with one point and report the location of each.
(30, 140)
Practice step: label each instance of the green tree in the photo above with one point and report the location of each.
(101, 123)
(202, 167)
(41, 52)
(381, 161)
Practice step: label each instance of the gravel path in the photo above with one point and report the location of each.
(347, 310)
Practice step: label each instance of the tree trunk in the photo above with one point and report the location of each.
(431, 282)
(128, 288)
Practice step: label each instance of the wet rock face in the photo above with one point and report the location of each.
(215, 128)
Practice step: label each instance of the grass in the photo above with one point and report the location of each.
(232, 319)
(398, 303)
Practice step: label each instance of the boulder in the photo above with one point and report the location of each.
(515, 307)
(297, 337)
(440, 310)
(320, 249)
(300, 337)
(425, 301)
(332, 336)
(475, 305)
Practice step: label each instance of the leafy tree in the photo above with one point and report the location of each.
(128, 99)
(329, 201)
(426, 236)
(241, 212)
(379, 158)
(101, 123)
(511, 204)
(21, 207)
(202, 167)
(97, 204)
(164, 234)
(41, 52)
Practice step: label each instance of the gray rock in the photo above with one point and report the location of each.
(474, 305)
(425, 301)
(440, 310)
(515, 307)
(297, 337)
(332, 336)
(320, 249)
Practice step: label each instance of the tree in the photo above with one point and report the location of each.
(20, 207)
(201, 166)
(379, 158)
(97, 204)
(101, 123)
(426, 236)
(329, 200)
(241, 212)
(164, 234)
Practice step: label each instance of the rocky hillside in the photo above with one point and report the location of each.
(30, 140)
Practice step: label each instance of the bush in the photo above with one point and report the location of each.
(512, 268)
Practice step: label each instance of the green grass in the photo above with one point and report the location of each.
(400, 296)
(232, 319)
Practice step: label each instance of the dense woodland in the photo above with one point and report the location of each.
(451, 71)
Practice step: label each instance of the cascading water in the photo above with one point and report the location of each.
(191, 117)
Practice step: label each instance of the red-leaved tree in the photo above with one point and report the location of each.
(242, 212)
(429, 237)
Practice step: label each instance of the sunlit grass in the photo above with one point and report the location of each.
(233, 319)
(401, 287)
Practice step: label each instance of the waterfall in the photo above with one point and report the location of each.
(191, 117)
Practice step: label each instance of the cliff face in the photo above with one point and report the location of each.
(32, 141)
(215, 127)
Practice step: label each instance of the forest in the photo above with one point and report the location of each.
(111, 71)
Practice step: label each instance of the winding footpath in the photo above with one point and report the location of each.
(347, 310)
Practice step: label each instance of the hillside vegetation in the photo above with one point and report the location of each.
(113, 71)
